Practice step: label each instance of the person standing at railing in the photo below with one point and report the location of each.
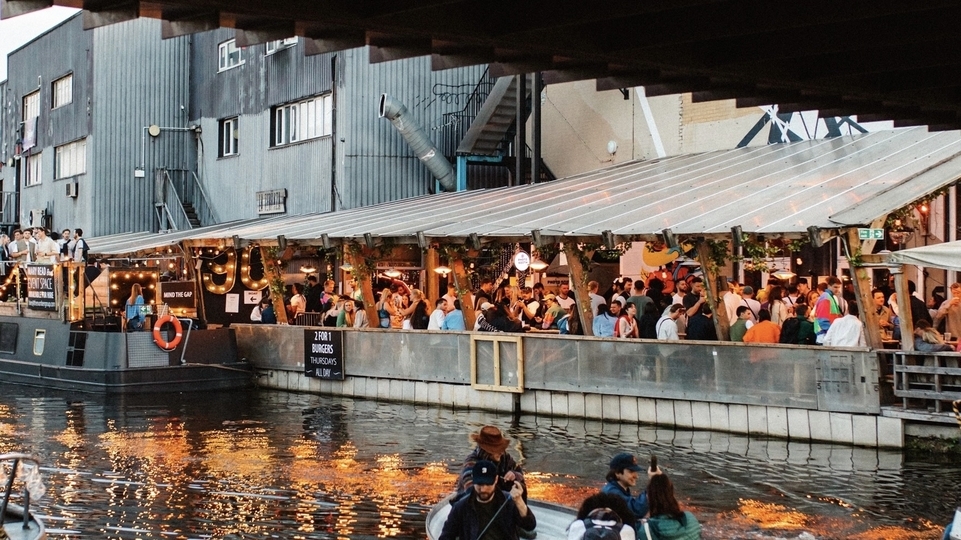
(47, 250)
(950, 312)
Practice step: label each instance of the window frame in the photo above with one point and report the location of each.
(301, 121)
(278, 45)
(31, 162)
(57, 89)
(30, 102)
(226, 50)
(223, 137)
(77, 158)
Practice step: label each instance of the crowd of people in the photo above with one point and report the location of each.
(490, 500)
(38, 245)
(782, 312)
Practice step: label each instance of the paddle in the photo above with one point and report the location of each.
(491, 522)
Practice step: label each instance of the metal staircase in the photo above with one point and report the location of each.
(488, 130)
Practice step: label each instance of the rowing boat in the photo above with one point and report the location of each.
(18, 522)
(552, 519)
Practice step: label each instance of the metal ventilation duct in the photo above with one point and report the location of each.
(419, 142)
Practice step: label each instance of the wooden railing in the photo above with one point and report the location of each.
(932, 378)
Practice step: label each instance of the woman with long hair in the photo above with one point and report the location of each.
(667, 521)
(132, 313)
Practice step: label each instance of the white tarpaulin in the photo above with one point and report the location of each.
(946, 255)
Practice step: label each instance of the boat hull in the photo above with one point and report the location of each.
(13, 525)
(49, 353)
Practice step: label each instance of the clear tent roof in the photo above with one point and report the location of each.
(775, 189)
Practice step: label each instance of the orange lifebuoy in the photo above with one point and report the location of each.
(159, 340)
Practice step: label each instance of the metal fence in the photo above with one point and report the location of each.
(815, 378)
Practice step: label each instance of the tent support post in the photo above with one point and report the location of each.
(862, 287)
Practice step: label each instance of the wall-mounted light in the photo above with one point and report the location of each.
(308, 269)
(347, 267)
(443, 270)
(393, 273)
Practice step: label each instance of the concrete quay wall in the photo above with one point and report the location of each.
(791, 392)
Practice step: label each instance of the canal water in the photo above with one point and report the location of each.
(265, 464)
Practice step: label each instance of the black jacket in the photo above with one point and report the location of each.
(462, 523)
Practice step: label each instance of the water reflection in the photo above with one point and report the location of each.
(275, 465)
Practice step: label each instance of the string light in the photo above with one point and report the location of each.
(226, 270)
(245, 277)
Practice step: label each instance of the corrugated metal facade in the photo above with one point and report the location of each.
(35, 67)
(378, 163)
(138, 80)
(248, 92)
(126, 78)
(374, 163)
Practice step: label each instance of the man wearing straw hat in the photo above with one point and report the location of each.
(492, 446)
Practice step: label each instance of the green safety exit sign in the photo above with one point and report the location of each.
(871, 234)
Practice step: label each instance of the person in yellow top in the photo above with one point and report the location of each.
(764, 331)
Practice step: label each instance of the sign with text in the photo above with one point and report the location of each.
(871, 234)
(324, 354)
(41, 290)
(178, 294)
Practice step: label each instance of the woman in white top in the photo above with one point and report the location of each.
(297, 302)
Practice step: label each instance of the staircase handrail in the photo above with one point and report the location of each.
(206, 207)
(456, 123)
(171, 190)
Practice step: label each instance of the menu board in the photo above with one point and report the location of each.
(324, 354)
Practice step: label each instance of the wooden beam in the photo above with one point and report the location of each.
(578, 277)
(862, 287)
(433, 278)
(904, 309)
(273, 274)
(461, 282)
(721, 325)
(366, 287)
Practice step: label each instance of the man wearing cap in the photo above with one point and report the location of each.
(487, 511)
(491, 446)
(621, 477)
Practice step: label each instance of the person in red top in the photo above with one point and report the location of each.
(764, 331)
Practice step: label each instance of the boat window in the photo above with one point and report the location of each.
(38, 340)
(8, 337)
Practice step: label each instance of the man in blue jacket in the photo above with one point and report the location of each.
(488, 511)
(622, 477)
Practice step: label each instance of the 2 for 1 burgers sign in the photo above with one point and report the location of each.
(324, 354)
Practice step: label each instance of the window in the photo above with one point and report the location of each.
(274, 46)
(301, 121)
(62, 91)
(230, 56)
(31, 173)
(70, 159)
(31, 105)
(227, 145)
